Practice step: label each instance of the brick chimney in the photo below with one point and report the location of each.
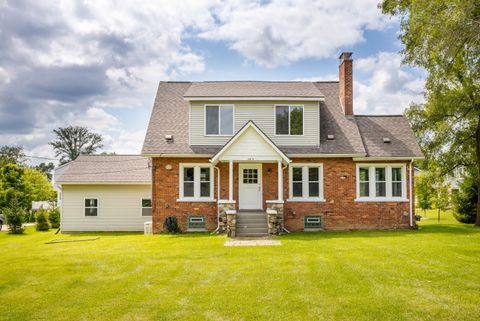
(346, 82)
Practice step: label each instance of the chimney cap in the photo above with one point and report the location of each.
(345, 56)
(386, 140)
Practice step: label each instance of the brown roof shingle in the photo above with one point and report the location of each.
(94, 169)
(170, 117)
(374, 129)
(253, 89)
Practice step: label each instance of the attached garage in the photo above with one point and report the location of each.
(106, 193)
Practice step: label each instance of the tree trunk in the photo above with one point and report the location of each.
(477, 150)
(438, 216)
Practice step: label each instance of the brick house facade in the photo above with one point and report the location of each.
(218, 150)
(340, 210)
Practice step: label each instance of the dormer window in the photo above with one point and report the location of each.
(288, 120)
(219, 120)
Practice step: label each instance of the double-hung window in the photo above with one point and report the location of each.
(288, 120)
(219, 120)
(196, 182)
(91, 206)
(306, 182)
(381, 182)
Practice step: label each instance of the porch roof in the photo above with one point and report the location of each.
(250, 144)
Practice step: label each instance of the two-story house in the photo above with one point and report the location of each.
(258, 157)
(251, 158)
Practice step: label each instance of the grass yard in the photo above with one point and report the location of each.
(429, 274)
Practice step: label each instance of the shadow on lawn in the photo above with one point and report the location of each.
(453, 229)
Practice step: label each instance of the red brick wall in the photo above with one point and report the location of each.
(340, 210)
(165, 192)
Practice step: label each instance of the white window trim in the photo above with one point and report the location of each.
(275, 120)
(219, 120)
(196, 184)
(372, 183)
(305, 197)
(142, 207)
(97, 207)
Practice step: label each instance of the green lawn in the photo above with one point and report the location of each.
(429, 274)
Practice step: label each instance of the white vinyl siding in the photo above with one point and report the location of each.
(262, 113)
(119, 207)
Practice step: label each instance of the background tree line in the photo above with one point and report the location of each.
(21, 184)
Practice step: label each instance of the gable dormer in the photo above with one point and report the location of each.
(287, 112)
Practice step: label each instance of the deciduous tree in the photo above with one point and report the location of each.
(442, 36)
(72, 141)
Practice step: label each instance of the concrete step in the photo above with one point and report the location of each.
(252, 229)
(241, 234)
(252, 219)
(252, 226)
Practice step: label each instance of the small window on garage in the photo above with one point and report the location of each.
(313, 222)
(91, 207)
(146, 207)
(196, 223)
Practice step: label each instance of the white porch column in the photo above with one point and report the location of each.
(280, 181)
(230, 180)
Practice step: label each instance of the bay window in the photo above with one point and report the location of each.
(306, 182)
(196, 182)
(381, 182)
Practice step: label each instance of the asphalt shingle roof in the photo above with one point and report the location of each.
(374, 129)
(253, 89)
(170, 117)
(94, 169)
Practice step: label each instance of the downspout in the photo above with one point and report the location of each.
(218, 199)
(411, 193)
(283, 221)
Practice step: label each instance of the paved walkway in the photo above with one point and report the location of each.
(252, 242)
(5, 226)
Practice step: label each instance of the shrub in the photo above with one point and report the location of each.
(30, 217)
(15, 216)
(465, 201)
(54, 217)
(42, 221)
(171, 225)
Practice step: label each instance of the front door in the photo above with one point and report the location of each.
(250, 188)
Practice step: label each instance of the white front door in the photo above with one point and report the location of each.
(250, 188)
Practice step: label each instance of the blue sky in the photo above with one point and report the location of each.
(68, 63)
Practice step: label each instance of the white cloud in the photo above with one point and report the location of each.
(281, 31)
(69, 62)
(329, 77)
(389, 87)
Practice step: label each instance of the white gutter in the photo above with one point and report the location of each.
(411, 193)
(385, 158)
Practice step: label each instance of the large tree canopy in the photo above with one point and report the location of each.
(443, 37)
(73, 141)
